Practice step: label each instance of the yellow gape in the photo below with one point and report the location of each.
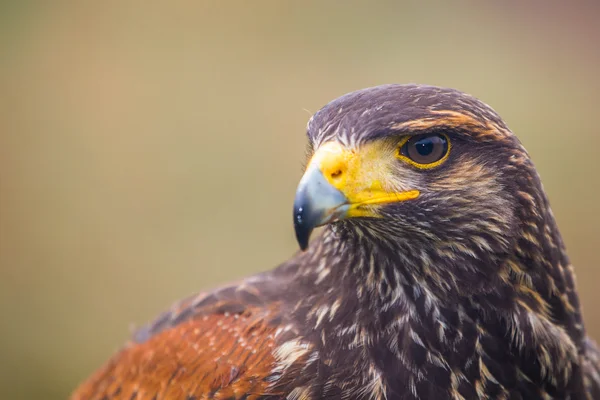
(359, 175)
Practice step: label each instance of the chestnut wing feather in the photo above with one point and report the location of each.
(221, 349)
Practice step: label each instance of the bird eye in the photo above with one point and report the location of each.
(425, 151)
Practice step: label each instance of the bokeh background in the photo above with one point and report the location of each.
(149, 150)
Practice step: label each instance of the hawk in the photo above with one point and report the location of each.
(440, 274)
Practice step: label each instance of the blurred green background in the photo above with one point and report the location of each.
(151, 149)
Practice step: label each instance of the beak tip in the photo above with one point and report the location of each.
(303, 245)
(303, 230)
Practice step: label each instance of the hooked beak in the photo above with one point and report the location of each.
(317, 203)
(338, 184)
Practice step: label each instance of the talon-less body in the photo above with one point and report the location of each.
(440, 274)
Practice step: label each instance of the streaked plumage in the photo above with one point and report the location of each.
(461, 290)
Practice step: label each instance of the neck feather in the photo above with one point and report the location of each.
(364, 288)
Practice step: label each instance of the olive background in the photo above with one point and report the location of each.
(149, 150)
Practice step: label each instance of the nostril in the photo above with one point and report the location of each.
(336, 173)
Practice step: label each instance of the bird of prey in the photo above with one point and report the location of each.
(439, 274)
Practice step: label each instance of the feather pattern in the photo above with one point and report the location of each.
(465, 293)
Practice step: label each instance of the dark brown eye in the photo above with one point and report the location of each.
(425, 149)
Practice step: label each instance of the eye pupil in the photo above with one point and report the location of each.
(425, 149)
(424, 146)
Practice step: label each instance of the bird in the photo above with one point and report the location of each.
(438, 273)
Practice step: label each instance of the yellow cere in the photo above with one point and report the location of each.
(359, 175)
(407, 160)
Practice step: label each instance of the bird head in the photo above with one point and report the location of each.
(428, 173)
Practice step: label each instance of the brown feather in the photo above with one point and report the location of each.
(213, 356)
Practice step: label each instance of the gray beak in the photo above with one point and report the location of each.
(317, 203)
